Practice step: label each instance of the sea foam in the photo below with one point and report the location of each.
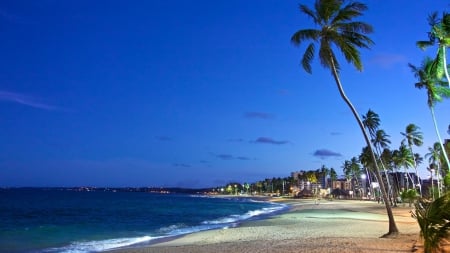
(98, 246)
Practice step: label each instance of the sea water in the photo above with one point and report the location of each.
(48, 221)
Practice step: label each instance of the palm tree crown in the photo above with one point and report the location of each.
(413, 135)
(440, 34)
(336, 29)
(381, 139)
(427, 80)
(371, 121)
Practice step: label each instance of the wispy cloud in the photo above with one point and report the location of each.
(387, 61)
(231, 157)
(325, 153)
(267, 140)
(26, 100)
(225, 156)
(258, 115)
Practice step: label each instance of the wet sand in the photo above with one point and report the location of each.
(331, 226)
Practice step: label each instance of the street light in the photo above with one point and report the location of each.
(363, 179)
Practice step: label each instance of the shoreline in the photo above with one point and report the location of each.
(330, 226)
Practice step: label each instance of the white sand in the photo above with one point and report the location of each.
(331, 226)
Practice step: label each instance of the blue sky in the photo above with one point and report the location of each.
(193, 93)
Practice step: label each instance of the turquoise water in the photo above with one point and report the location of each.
(69, 221)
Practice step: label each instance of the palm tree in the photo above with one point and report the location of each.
(389, 161)
(355, 167)
(434, 92)
(352, 171)
(337, 29)
(404, 158)
(324, 172)
(371, 122)
(440, 33)
(434, 159)
(366, 161)
(414, 137)
(333, 176)
(381, 141)
(347, 169)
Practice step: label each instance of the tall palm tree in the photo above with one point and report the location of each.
(346, 168)
(413, 136)
(381, 141)
(440, 34)
(435, 92)
(366, 161)
(324, 172)
(404, 158)
(352, 171)
(434, 159)
(333, 176)
(389, 161)
(337, 29)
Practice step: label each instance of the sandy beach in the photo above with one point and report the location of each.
(331, 226)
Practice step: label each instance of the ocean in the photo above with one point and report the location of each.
(53, 221)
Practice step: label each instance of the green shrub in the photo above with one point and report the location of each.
(433, 218)
(409, 196)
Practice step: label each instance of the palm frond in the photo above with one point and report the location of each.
(438, 64)
(433, 219)
(423, 44)
(305, 9)
(306, 34)
(414, 69)
(327, 9)
(349, 12)
(308, 57)
(442, 91)
(446, 22)
(433, 18)
(359, 40)
(350, 52)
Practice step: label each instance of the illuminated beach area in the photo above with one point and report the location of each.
(330, 226)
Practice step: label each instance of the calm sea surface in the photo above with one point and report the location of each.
(41, 220)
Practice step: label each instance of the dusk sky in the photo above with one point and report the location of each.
(194, 93)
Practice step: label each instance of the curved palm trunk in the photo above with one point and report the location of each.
(393, 230)
(442, 146)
